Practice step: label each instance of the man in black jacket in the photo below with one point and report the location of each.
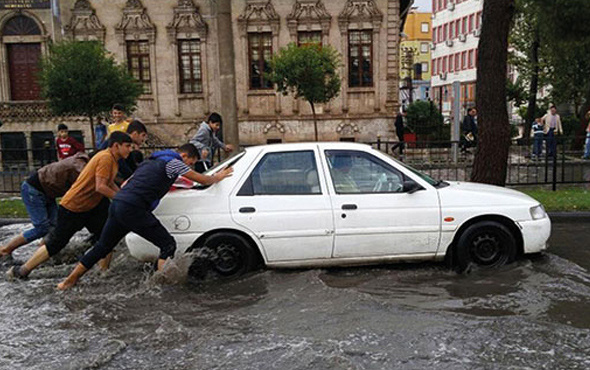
(469, 126)
(399, 131)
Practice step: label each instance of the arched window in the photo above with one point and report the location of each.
(21, 25)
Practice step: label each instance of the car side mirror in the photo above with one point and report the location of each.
(411, 187)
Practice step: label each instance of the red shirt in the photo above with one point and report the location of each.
(67, 147)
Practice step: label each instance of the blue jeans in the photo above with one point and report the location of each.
(42, 210)
(538, 145)
(587, 149)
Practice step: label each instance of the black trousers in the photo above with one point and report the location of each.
(68, 223)
(123, 218)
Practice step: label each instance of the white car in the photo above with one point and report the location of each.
(340, 204)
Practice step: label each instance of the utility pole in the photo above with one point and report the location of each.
(227, 72)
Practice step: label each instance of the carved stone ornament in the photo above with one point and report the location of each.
(187, 21)
(259, 14)
(347, 128)
(84, 23)
(360, 11)
(276, 126)
(309, 13)
(135, 22)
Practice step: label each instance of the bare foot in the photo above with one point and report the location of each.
(64, 285)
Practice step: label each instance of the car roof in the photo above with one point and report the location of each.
(310, 145)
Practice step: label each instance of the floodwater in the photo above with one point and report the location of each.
(533, 314)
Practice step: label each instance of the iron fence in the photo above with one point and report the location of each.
(438, 159)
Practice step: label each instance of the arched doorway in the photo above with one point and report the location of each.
(23, 58)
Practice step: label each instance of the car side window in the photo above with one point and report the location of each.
(284, 173)
(360, 172)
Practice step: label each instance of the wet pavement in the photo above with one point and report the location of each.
(533, 314)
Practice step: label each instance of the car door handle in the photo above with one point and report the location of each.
(349, 206)
(247, 210)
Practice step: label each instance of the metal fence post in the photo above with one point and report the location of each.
(456, 129)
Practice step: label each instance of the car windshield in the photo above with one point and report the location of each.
(227, 162)
(423, 176)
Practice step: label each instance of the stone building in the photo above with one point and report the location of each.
(171, 48)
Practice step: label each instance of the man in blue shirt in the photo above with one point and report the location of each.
(131, 209)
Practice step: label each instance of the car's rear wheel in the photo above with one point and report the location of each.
(226, 254)
(486, 244)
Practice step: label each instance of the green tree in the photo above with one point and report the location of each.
(80, 78)
(309, 72)
(424, 119)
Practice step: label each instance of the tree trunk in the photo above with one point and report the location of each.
(491, 157)
(534, 87)
(315, 122)
(93, 145)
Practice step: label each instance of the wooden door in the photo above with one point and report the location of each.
(23, 60)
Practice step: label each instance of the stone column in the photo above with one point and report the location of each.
(227, 73)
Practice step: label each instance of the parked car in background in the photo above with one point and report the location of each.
(340, 204)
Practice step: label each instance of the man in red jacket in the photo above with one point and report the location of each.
(66, 146)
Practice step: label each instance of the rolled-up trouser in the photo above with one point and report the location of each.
(68, 223)
(123, 218)
(41, 209)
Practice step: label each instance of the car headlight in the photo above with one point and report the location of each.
(538, 212)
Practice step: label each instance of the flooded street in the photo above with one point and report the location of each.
(533, 314)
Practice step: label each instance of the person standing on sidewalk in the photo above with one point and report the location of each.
(538, 137)
(65, 144)
(131, 210)
(38, 193)
(207, 142)
(587, 144)
(552, 123)
(85, 205)
(469, 127)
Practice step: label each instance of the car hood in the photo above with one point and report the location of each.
(475, 194)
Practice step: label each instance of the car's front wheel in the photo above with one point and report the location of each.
(485, 244)
(226, 254)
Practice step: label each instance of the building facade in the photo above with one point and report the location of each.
(171, 48)
(455, 37)
(415, 57)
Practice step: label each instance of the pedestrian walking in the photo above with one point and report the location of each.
(39, 192)
(207, 142)
(552, 123)
(131, 210)
(399, 131)
(84, 205)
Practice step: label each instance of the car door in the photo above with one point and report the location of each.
(373, 215)
(286, 205)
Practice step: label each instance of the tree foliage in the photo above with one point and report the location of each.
(80, 78)
(560, 28)
(425, 119)
(309, 72)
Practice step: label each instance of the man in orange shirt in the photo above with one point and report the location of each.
(84, 205)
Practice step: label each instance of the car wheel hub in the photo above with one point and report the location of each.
(486, 249)
(227, 258)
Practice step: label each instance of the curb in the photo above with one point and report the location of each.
(569, 216)
(10, 221)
